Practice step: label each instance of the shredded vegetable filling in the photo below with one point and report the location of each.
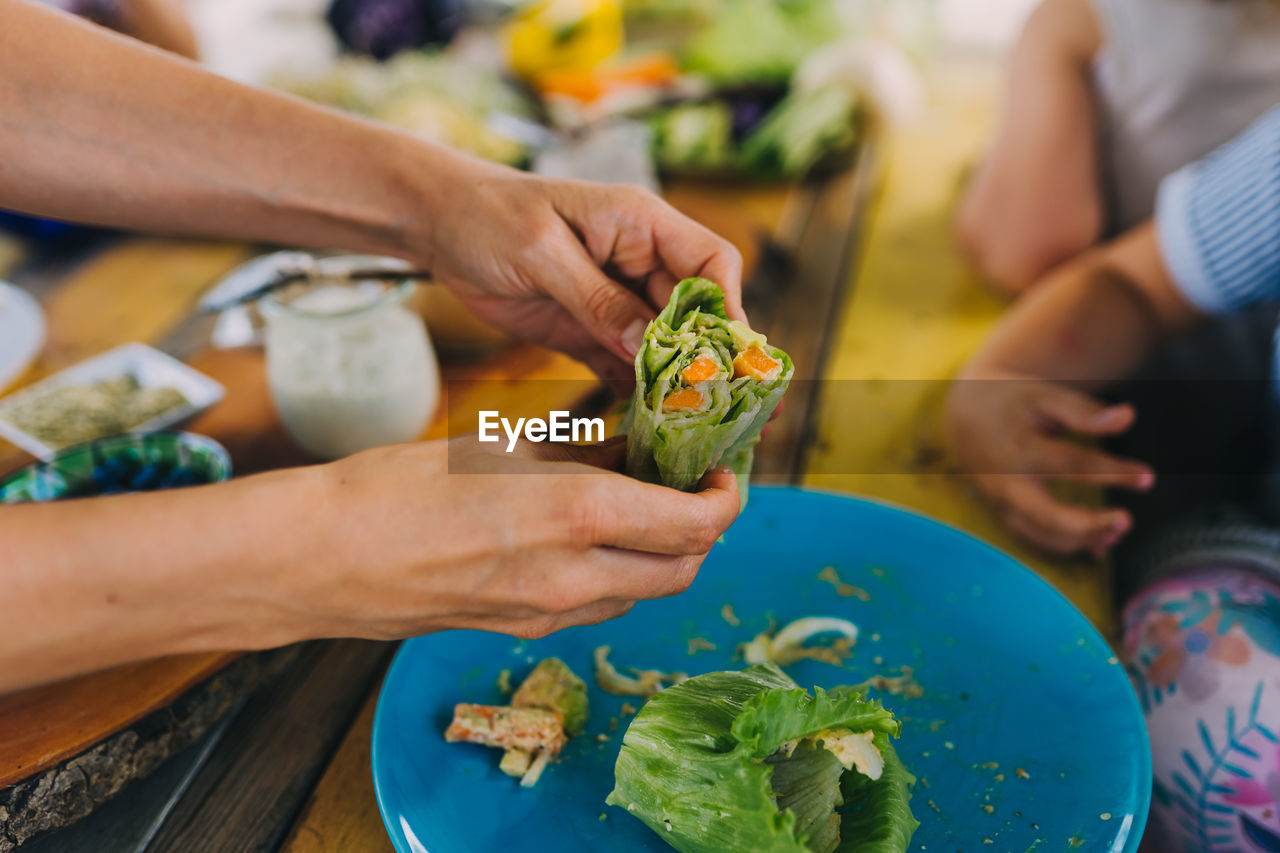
(690, 395)
(806, 779)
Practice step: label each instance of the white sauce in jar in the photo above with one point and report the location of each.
(350, 368)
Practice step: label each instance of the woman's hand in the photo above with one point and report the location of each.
(1015, 434)
(576, 266)
(441, 535)
(393, 542)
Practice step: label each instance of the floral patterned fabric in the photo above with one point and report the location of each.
(1203, 652)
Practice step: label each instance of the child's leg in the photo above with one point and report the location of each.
(1203, 651)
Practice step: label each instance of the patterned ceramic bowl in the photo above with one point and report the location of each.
(1202, 646)
(132, 462)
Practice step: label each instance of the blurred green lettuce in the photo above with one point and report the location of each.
(760, 41)
(749, 761)
(801, 131)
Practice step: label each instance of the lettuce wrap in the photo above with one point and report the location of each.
(705, 387)
(748, 761)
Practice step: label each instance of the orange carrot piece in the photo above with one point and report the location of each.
(652, 70)
(686, 400)
(699, 370)
(756, 363)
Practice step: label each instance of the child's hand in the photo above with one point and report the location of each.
(1015, 434)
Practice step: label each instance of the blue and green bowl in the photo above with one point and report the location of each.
(132, 462)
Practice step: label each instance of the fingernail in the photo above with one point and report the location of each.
(1147, 480)
(1106, 416)
(633, 336)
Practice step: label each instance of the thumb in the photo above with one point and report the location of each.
(718, 490)
(613, 315)
(1084, 415)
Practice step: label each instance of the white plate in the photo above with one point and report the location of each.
(21, 332)
(152, 368)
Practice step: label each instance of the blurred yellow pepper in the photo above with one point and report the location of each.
(563, 35)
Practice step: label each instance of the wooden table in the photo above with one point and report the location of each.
(288, 768)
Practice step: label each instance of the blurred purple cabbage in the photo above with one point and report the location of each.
(750, 105)
(383, 28)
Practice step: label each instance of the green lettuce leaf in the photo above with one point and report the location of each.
(730, 761)
(552, 686)
(808, 783)
(881, 819)
(771, 718)
(678, 448)
(692, 135)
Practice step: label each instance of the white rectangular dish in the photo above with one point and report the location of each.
(152, 369)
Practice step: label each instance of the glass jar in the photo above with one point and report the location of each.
(349, 365)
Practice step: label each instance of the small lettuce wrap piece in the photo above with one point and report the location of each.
(552, 686)
(705, 387)
(748, 762)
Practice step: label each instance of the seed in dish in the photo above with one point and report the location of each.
(72, 414)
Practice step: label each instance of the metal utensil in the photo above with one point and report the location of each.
(291, 276)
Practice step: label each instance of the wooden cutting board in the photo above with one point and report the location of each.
(66, 747)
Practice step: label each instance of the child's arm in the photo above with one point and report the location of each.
(162, 23)
(1015, 407)
(1213, 248)
(1095, 319)
(1035, 201)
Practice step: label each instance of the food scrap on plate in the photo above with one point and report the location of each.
(548, 708)
(642, 682)
(788, 645)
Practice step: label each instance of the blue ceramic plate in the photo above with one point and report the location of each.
(1027, 737)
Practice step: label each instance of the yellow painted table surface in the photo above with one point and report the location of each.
(915, 313)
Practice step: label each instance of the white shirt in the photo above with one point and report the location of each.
(1176, 79)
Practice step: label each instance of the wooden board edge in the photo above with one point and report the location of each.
(71, 789)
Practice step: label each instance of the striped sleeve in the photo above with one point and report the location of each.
(1218, 222)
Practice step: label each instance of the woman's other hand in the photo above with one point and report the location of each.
(571, 265)
(438, 535)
